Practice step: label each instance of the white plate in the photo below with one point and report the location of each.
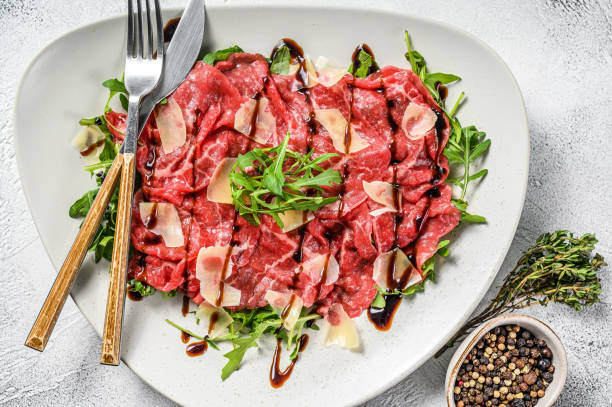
(62, 85)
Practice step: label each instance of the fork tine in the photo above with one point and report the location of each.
(160, 31)
(140, 52)
(130, 35)
(149, 31)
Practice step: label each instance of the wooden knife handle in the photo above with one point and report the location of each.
(111, 338)
(47, 317)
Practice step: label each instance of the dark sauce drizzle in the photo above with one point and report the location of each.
(196, 348)
(133, 295)
(278, 377)
(185, 337)
(357, 63)
(170, 28)
(185, 307)
(301, 75)
(92, 148)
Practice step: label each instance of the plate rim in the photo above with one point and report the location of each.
(294, 7)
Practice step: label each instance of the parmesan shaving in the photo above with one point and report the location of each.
(402, 266)
(265, 123)
(340, 329)
(336, 125)
(209, 267)
(280, 301)
(219, 189)
(163, 220)
(294, 219)
(171, 125)
(221, 321)
(418, 120)
(381, 192)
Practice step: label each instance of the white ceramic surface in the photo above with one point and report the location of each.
(62, 85)
(537, 328)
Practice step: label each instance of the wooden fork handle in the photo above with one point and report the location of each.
(111, 338)
(43, 326)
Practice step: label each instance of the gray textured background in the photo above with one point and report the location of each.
(561, 55)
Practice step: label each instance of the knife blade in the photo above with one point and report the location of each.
(180, 56)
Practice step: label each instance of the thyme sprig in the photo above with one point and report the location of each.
(559, 268)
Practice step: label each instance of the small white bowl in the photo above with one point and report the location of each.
(539, 329)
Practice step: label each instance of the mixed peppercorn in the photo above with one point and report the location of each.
(508, 367)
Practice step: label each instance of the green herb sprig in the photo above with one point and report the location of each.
(221, 55)
(274, 180)
(281, 61)
(559, 268)
(246, 329)
(366, 63)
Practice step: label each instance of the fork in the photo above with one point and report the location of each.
(143, 69)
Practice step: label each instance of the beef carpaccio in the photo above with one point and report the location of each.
(393, 201)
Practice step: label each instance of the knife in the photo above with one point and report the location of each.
(180, 57)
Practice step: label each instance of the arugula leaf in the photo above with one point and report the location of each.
(141, 288)
(221, 55)
(241, 345)
(281, 61)
(81, 206)
(430, 80)
(365, 64)
(116, 86)
(272, 181)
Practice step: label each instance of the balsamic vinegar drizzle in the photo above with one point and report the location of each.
(92, 148)
(133, 295)
(185, 337)
(170, 28)
(278, 377)
(357, 63)
(301, 75)
(196, 348)
(185, 307)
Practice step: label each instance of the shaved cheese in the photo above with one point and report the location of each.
(219, 189)
(336, 125)
(418, 120)
(294, 219)
(315, 267)
(90, 143)
(280, 301)
(265, 123)
(328, 74)
(221, 321)
(340, 329)
(381, 192)
(209, 267)
(402, 266)
(311, 74)
(171, 125)
(163, 220)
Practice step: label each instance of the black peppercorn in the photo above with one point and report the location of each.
(520, 343)
(525, 335)
(523, 351)
(544, 363)
(517, 403)
(547, 376)
(546, 352)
